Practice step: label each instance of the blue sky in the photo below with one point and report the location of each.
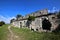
(10, 8)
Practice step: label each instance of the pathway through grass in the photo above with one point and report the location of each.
(11, 35)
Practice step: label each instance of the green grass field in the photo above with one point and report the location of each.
(3, 32)
(26, 34)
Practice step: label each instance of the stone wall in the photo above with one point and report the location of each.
(37, 23)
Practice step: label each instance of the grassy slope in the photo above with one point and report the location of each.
(26, 34)
(3, 32)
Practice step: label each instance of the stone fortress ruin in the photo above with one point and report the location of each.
(37, 24)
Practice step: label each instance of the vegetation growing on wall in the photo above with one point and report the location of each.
(30, 19)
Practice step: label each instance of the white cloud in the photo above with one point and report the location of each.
(54, 9)
(6, 19)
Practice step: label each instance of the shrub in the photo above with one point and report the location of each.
(2, 23)
(31, 18)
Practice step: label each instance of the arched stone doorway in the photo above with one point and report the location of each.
(46, 24)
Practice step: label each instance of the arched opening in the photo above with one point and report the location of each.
(46, 24)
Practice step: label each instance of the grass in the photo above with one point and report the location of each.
(26, 34)
(3, 32)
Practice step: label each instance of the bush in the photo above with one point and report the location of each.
(31, 18)
(2, 23)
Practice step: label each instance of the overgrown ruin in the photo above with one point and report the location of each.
(37, 24)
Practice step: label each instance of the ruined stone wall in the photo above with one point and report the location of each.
(37, 23)
(52, 19)
(16, 24)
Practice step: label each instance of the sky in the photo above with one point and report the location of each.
(10, 8)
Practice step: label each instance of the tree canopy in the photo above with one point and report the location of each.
(18, 16)
(2, 23)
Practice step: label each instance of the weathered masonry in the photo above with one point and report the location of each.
(36, 25)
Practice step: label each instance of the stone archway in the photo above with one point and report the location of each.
(46, 24)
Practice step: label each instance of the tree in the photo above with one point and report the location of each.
(2, 23)
(18, 16)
